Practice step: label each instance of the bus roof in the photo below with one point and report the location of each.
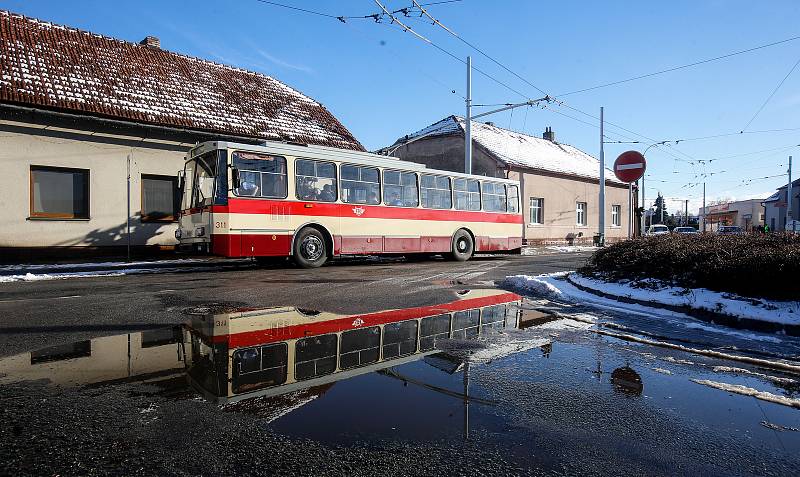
(332, 154)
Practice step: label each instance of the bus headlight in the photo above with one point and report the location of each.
(199, 231)
(178, 233)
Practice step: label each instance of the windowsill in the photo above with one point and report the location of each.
(60, 219)
(535, 225)
(581, 226)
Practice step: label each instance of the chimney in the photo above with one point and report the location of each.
(152, 41)
(549, 134)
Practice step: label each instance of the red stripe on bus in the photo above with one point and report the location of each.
(265, 336)
(285, 207)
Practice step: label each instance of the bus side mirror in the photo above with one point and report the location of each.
(180, 180)
(235, 177)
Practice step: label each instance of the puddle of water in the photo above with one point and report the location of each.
(483, 364)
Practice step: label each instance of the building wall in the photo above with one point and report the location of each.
(560, 193)
(106, 162)
(745, 214)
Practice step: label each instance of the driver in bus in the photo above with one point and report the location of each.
(248, 183)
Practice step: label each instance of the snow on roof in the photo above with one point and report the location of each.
(521, 150)
(62, 68)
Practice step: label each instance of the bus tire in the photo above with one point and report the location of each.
(463, 246)
(309, 248)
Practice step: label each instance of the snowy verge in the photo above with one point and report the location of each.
(557, 287)
(558, 249)
(780, 312)
(25, 268)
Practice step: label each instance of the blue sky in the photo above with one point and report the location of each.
(383, 83)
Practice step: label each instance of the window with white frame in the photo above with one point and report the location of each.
(580, 213)
(616, 219)
(537, 210)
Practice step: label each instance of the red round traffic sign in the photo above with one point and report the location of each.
(629, 166)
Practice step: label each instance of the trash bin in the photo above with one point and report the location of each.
(598, 240)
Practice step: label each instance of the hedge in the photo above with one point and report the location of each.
(753, 265)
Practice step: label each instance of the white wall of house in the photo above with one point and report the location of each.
(107, 191)
(559, 217)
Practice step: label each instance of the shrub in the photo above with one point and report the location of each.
(753, 265)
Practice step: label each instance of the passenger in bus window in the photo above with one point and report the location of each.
(248, 185)
(327, 194)
(395, 199)
(372, 198)
(306, 190)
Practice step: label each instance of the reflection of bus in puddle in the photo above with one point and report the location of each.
(246, 354)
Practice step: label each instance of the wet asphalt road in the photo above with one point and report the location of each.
(39, 314)
(582, 403)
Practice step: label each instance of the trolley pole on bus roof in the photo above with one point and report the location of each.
(468, 128)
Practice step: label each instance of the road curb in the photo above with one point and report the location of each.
(116, 266)
(701, 314)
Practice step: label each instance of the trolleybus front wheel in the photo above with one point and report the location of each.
(463, 246)
(309, 248)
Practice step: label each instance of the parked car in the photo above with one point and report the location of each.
(685, 230)
(730, 230)
(658, 229)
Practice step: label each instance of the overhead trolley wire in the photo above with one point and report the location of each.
(771, 95)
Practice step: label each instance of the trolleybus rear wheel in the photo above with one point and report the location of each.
(309, 248)
(463, 246)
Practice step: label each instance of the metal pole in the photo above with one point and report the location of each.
(468, 129)
(663, 204)
(128, 217)
(686, 212)
(644, 209)
(704, 206)
(630, 210)
(602, 206)
(789, 198)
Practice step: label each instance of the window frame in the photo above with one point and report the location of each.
(176, 207)
(581, 213)
(539, 207)
(616, 210)
(317, 161)
(467, 191)
(383, 188)
(435, 176)
(235, 191)
(504, 197)
(56, 216)
(380, 183)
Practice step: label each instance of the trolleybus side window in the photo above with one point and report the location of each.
(513, 199)
(260, 175)
(494, 197)
(315, 180)
(431, 329)
(465, 323)
(493, 318)
(360, 347)
(360, 185)
(259, 367)
(315, 356)
(468, 194)
(436, 192)
(399, 339)
(400, 189)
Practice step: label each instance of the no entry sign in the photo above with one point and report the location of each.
(629, 166)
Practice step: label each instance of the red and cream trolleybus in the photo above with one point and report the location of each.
(314, 203)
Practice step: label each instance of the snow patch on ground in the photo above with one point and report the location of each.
(748, 391)
(61, 266)
(662, 371)
(35, 277)
(548, 249)
(782, 312)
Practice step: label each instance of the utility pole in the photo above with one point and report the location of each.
(468, 129)
(128, 218)
(704, 206)
(662, 207)
(789, 198)
(686, 211)
(644, 210)
(602, 211)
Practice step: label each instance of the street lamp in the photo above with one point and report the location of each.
(644, 202)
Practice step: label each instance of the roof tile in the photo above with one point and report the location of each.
(62, 68)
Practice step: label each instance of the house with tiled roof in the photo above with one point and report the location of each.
(559, 182)
(76, 108)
